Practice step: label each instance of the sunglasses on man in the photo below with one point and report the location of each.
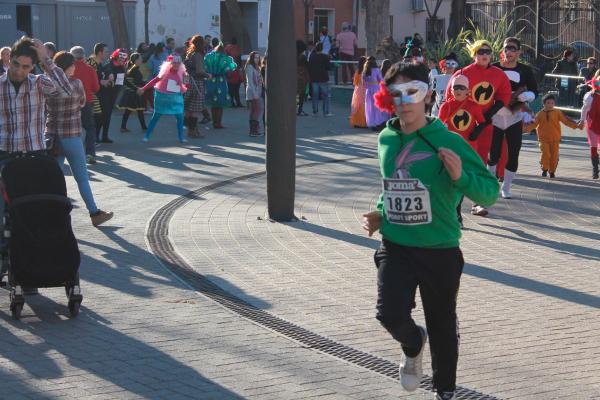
(511, 48)
(484, 52)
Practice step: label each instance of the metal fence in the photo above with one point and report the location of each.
(567, 89)
(545, 27)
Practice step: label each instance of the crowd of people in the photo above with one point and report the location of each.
(63, 100)
(446, 132)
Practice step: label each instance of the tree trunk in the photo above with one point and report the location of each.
(377, 23)
(281, 115)
(240, 31)
(118, 25)
(146, 30)
(458, 17)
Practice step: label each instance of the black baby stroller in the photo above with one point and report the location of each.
(39, 249)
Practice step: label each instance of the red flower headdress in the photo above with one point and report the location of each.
(383, 99)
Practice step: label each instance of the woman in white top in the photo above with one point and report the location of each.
(254, 87)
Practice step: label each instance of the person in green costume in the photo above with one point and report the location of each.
(425, 170)
(217, 64)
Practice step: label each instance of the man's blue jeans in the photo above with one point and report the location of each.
(320, 90)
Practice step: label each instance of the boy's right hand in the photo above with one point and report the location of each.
(372, 222)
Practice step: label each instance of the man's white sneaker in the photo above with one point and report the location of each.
(505, 192)
(445, 396)
(479, 211)
(411, 368)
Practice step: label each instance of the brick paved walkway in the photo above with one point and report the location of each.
(527, 330)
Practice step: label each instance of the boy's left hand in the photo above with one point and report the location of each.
(452, 162)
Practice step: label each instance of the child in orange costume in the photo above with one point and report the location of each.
(547, 122)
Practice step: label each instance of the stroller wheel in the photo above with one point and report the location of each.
(16, 310)
(74, 308)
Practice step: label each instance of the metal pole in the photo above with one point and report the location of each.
(280, 112)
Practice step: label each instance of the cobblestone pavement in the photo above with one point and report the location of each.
(527, 331)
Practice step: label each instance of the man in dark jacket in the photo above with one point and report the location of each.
(567, 86)
(587, 73)
(318, 71)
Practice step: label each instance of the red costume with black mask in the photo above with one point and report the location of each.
(489, 87)
(461, 117)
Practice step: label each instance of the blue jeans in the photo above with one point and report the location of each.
(320, 89)
(156, 116)
(73, 150)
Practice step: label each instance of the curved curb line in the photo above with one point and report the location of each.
(159, 244)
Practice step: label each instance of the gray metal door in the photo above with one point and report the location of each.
(85, 24)
(43, 22)
(8, 24)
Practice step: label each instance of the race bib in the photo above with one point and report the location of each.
(120, 80)
(406, 202)
(564, 82)
(172, 86)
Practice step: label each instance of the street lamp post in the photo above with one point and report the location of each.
(280, 112)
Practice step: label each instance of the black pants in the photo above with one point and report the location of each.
(107, 103)
(301, 100)
(514, 137)
(88, 123)
(234, 93)
(436, 272)
(140, 115)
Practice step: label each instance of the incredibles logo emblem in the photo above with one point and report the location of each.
(483, 93)
(461, 120)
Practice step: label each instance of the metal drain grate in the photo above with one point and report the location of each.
(158, 240)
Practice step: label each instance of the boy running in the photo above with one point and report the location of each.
(425, 171)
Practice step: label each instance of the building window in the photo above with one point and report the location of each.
(323, 17)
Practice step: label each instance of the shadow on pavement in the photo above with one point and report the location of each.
(363, 241)
(521, 236)
(150, 369)
(532, 285)
(129, 266)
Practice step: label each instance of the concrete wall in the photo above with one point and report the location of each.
(178, 19)
(181, 19)
(405, 21)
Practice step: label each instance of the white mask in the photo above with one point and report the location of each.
(451, 64)
(410, 92)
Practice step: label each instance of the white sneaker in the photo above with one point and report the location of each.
(505, 192)
(411, 368)
(479, 211)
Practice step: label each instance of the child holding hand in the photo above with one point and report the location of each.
(547, 122)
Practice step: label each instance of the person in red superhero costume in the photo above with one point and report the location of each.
(461, 115)
(490, 88)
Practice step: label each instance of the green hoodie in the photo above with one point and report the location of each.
(412, 157)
